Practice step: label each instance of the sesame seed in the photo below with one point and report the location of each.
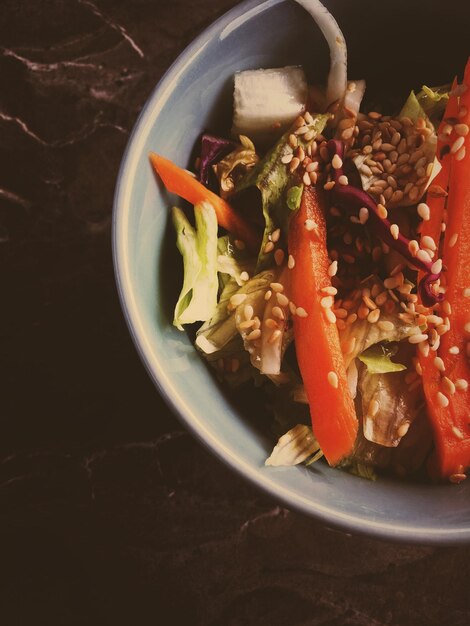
(461, 154)
(275, 235)
(442, 400)
(382, 211)
(461, 384)
(418, 338)
(333, 268)
(244, 276)
(313, 177)
(333, 379)
(341, 313)
(327, 302)
(446, 307)
(343, 180)
(439, 364)
(268, 294)
(424, 211)
(436, 267)
(336, 162)
(467, 328)
(248, 311)
(300, 153)
(302, 130)
(403, 429)
(453, 240)
(392, 282)
(466, 292)
(436, 344)
(291, 262)
(457, 478)
(269, 247)
(270, 323)
(276, 334)
(256, 322)
(282, 299)
(369, 302)
(434, 319)
(255, 334)
(462, 111)
(246, 324)
(395, 231)
(461, 129)
(277, 287)
(292, 307)
(301, 312)
(349, 345)
(287, 158)
(306, 179)
(458, 143)
(424, 348)
(413, 247)
(294, 164)
(279, 256)
(310, 225)
(363, 215)
(419, 369)
(373, 316)
(423, 256)
(293, 142)
(278, 312)
(458, 433)
(386, 325)
(448, 386)
(330, 316)
(454, 350)
(428, 242)
(238, 298)
(351, 319)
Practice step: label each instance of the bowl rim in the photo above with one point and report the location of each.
(325, 514)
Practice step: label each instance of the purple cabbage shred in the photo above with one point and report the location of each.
(353, 198)
(213, 150)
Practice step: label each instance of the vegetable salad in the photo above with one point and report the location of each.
(325, 262)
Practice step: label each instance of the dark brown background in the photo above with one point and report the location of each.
(110, 512)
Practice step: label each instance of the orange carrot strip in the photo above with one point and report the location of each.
(317, 344)
(181, 183)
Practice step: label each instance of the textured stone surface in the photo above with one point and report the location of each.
(110, 513)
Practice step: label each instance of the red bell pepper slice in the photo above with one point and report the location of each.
(450, 418)
(319, 354)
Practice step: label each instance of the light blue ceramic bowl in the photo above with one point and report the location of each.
(195, 94)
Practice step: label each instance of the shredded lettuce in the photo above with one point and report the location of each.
(378, 359)
(232, 262)
(433, 101)
(389, 404)
(367, 334)
(222, 327)
(294, 197)
(198, 247)
(271, 177)
(294, 447)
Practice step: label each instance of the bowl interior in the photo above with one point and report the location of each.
(395, 46)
